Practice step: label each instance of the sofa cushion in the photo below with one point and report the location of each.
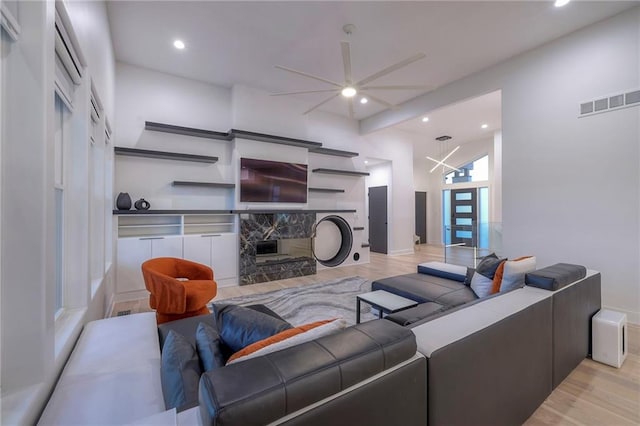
(209, 346)
(426, 288)
(514, 272)
(417, 313)
(443, 270)
(482, 281)
(179, 373)
(239, 326)
(556, 276)
(289, 338)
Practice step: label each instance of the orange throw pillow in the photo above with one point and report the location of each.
(497, 278)
(277, 338)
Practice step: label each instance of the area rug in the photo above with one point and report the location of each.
(301, 305)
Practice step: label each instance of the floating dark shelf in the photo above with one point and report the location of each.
(358, 228)
(273, 139)
(203, 184)
(340, 172)
(325, 190)
(133, 152)
(188, 131)
(334, 152)
(365, 245)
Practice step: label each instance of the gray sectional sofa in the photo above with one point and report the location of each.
(488, 361)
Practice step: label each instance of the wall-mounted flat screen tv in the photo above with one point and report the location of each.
(263, 181)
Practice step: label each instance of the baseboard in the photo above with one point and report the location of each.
(632, 317)
(130, 296)
(400, 252)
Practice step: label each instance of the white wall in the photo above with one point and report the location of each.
(144, 95)
(34, 344)
(571, 186)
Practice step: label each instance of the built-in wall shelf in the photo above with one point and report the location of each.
(340, 172)
(134, 152)
(281, 140)
(170, 212)
(365, 245)
(358, 228)
(187, 131)
(334, 152)
(332, 190)
(203, 184)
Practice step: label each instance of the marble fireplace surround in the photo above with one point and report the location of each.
(291, 228)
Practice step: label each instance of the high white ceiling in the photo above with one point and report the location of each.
(240, 42)
(462, 121)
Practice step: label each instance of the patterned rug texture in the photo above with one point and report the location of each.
(309, 303)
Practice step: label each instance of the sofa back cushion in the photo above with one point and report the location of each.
(179, 373)
(209, 346)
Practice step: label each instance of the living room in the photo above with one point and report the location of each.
(570, 183)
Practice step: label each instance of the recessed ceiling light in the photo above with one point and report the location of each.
(425, 119)
(178, 44)
(484, 126)
(364, 100)
(349, 92)
(560, 3)
(366, 161)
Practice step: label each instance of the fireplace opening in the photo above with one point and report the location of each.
(283, 250)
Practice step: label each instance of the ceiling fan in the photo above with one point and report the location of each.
(349, 88)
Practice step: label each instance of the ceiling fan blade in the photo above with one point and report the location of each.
(391, 68)
(304, 74)
(417, 87)
(346, 60)
(378, 100)
(302, 91)
(350, 101)
(320, 104)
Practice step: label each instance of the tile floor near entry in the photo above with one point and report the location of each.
(593, 394)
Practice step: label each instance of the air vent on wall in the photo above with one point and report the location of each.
(609, 103)
(443, 138)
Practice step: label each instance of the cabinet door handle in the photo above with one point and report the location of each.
(152, 238)
(211, 235)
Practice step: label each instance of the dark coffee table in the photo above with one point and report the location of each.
(385, 302)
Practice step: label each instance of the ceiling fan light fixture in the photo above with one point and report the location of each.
(349, 92)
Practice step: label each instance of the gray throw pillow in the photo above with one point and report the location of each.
(239, 326)
(209, 347)
(180, 373)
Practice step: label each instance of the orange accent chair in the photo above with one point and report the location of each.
(179, 288)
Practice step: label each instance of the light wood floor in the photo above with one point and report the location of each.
(593, 394)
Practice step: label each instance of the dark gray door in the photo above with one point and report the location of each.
(378, 219)
(421, 216)
(464, 217)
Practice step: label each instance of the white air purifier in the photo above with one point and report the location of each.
(609, 330)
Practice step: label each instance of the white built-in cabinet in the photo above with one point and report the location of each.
(218, 251)
(210, 239)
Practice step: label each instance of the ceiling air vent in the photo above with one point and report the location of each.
(443, 138)
(609, 103)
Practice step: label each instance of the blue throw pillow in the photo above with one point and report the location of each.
(239, 326)
(209, 347)
(179, 373)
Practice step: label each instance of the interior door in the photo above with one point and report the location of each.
(421, 216)
(378, 219)
(464, 217)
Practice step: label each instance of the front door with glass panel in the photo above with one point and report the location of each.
(464, 216)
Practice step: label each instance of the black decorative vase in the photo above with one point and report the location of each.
(142, 204)
(123, 202)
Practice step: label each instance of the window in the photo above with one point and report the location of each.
(476, 171)
(61, 117)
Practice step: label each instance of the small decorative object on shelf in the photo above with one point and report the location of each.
(142, 204)
(123, 202)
